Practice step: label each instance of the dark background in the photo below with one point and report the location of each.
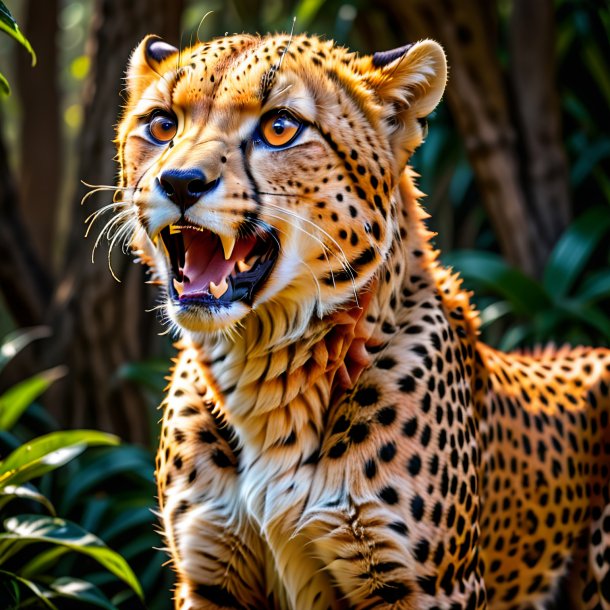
(515, 168)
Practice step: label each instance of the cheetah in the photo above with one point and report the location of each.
(334, 434)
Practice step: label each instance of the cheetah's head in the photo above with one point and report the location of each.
(260, 171)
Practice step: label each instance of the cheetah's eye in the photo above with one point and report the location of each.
(279, 128)
(162, 128)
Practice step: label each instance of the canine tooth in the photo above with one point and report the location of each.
(179, 287)
(173, 230)
(228, 243)
(243, 266)
(218, 291)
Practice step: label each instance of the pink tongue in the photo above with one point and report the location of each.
(205, 261)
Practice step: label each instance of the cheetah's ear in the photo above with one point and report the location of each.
(409, 82)
(146, 62)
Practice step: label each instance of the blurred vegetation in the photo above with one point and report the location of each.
(64, 110)
(48, 560)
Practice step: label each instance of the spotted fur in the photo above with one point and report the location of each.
(345, 441)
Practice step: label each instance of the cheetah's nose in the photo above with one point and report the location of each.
(184, 187)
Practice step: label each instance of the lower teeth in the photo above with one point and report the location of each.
(218, 291)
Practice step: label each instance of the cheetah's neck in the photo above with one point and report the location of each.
(275, 391)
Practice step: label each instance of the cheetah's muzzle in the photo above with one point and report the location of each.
(210, 270)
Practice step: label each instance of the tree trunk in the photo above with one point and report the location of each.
(40, 165)
(520, 167)
(532, 72)
(98, 323)
(24, 283)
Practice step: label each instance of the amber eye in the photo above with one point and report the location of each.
(162, 128)
(279, 128)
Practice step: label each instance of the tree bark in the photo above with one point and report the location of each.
(98, 323)
(40, 168)
(24, 283)
(544, 165)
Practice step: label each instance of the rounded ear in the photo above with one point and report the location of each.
(413, 76)
(146, 60)
(408, 82)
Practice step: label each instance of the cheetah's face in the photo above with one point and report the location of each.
(261, 175)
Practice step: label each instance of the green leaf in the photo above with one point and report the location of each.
(595, 288)
(43, 562)
(306, 11)
(38, 590)
(131, 520)
(491, 272)
(492, 313)
(18, 398)
(4, 86)
(47, 453)
(589, 315)
(10, 492)
(80, 591)
(9, 25)
(514, 337)
(128, 459)
(51, 530)
(150, 374)
(14, 342)
(573, 249)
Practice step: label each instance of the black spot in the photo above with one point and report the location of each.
(422, 550)
(414, 465)
(417, 507)
(341, 425)
(410, 427)
(337, 450)
(437, 513)
(407, 384)
(427, 584)
(365, 257)
(359, 432)
(366, 396)
(447, 580)
(221, 459)
(206, 436)
(511, 594)
(393, 591)
(388, 495)
(370, 469)
(425, 435)
(386, 416)
(400, 527)
(387, 452)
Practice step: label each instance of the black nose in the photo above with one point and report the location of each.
(185, 186)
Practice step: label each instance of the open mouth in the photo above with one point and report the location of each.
(211, 269)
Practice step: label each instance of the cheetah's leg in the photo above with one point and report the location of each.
(215, 551)
(589, 579)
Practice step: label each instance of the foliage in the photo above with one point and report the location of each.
(569, 304)
(37, 548)
(10, 27)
